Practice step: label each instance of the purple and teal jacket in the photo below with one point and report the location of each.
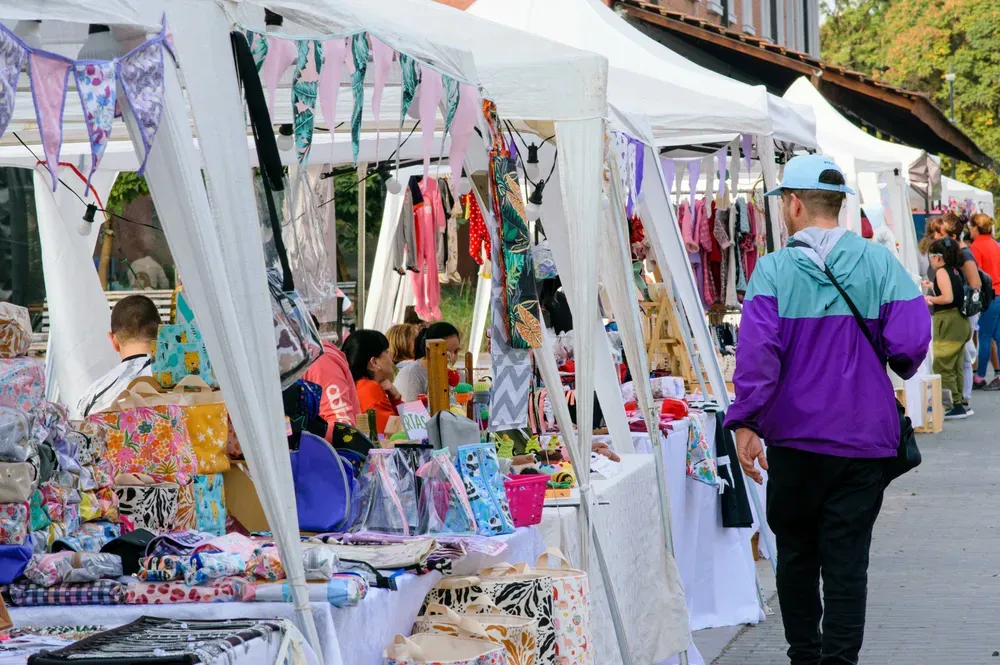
(806, 376)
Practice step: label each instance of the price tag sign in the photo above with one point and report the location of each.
(414, 416)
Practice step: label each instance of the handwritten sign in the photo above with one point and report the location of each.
(414, 416)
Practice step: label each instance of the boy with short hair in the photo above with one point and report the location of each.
(134, 324)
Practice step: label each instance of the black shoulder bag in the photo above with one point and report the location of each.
(907, 454)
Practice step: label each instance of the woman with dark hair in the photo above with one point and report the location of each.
(371, 366)
(951, 329)
(412, 378)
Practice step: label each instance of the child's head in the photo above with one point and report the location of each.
(134, 322)
(944, 252)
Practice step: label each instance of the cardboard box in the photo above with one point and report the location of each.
(242, 501)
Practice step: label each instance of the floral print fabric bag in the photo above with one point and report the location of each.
(148, 434)
(517, 635)
(570, 609)
(430, 649)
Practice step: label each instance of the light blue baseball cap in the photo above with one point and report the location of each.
(803, 172)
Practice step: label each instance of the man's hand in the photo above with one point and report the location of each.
(749, 449)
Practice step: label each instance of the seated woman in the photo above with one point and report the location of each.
(412, 378)
(371, 366)
(402, 338)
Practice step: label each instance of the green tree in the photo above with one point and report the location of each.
(127, 188)
(912, 44)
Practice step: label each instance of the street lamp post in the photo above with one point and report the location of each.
(950, 78)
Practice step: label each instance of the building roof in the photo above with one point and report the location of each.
(900, 115)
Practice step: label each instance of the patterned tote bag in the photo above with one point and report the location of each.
(431, 649)
(570, 609)
(527, 594)
(517, 635)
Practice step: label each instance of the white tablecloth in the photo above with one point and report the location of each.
(646, 580)
(716, 563)
(348, 636)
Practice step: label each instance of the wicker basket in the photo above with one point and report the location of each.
(526, 495)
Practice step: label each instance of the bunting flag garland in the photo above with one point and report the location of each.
(305, 85)
(49, 77)
(694, 172)
(329, 79)
(631, 158)
(463, 125)
(96, 82)
(451, 95)
(12, 58)
(746, 142)
(359, 48)
(281, 54)
(139, 72)
(669, 168)
(430, 97)
(720, 167)
(411, 78)
(258, 47)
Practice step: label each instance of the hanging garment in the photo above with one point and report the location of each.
(703, 234)
(447, 238)
(736, 513)
(427, 219)
(687, 226)
(479, 238)
(731, 299)
(404, 243)
(752, 243)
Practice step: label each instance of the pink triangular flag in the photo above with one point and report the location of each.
(430, 96)
(746, 142)
(281, 53)
(329, 79)
(382, 57)
(462, 127)
(48, 88)
(694, 172)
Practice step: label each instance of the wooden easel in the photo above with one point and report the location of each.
(664, 346)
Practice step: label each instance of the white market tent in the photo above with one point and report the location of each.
(961, 192)
(223, 265)
(682, 85)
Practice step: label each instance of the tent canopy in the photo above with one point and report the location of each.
(685, 103)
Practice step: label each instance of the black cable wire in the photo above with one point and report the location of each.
(520, 159)
(82, 200)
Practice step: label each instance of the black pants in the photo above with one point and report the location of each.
(822, 510)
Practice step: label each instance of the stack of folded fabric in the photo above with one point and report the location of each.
(70, 578)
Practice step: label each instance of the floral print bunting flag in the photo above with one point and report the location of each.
(359, 49)
(305, 84)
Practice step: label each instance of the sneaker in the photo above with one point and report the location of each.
(957, 412)
(981, 384)
(993, 385)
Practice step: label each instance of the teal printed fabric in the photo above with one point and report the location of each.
(210, 504)
(258, 46)
(360, 49)
(477, 464)
(451, 97)
(178, 352)
(411, 79)
(305, 89)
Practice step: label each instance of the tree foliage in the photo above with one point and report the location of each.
(127, 188)
(912, 44)
(346, 200)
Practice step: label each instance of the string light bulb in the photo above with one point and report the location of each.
(284, 140)
(87, 221)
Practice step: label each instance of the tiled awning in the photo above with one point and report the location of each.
(899, 115)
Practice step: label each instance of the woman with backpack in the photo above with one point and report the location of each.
(987, 254)
(951, 329)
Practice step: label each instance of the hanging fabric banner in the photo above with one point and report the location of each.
(97, 84)
(359, 49)
(694, 172)
(49, 76)
(305, 89)
(382, 56)
(329, 80)
(720, 169)
(258, 47)
(280, 55)
(462, 127)
(430, 97)
(746, 143)
(12, 58)
(451, 97)
(141, 75)
(411, 79)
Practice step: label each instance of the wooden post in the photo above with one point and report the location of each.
(437, 376)
(104, 265)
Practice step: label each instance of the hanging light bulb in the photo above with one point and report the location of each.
(393, 185)
(100, 44)
(534, 207)
(273, 21)
(285, 141)
(87, 221)
(30, 33)
(531, 166)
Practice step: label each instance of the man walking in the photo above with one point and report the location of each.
(811, 385)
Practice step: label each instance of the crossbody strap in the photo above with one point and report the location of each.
(850, 303)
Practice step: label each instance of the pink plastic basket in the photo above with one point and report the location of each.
(526, 495)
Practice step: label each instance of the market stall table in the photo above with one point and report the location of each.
(716, 563)
(646, 581)
(349, 636)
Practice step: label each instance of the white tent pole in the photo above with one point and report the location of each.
(361, 305)
(620, 288)
(545, 358)
(479, 311)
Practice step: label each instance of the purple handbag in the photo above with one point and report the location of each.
(325, 488)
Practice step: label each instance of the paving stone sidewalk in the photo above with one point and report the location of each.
(934, 579)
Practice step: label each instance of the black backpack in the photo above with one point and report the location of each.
(988, 294)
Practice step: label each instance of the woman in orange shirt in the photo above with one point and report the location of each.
(372, 368)
(987, 254)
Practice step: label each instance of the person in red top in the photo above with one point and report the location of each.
(367, 353)
(332, 373)
(987, 254)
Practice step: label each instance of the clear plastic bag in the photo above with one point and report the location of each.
(545, 263)
(15, 435)
(72, 568)
(388, 495)
(295, 334)
(444, 506)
